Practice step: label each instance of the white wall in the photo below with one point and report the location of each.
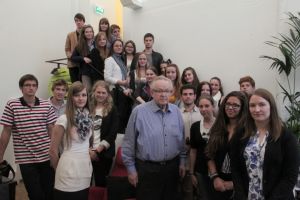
(32, 32)
(216, 37)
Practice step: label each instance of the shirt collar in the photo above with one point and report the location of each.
(24, 103)
(156, 108)
(195, 109)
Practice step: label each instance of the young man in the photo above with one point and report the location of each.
(71, 42)
(190, 114)
(153, 58)
(30, 121)
(247, 84)
(59, 90)
(153, 146)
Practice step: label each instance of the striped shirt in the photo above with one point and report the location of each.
(29, 129)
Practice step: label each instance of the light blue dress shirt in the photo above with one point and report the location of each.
(153, 135)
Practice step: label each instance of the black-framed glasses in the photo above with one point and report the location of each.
(232, 106)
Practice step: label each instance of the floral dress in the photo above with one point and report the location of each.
(254, 156)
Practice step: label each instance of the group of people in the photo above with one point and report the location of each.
(184, 139)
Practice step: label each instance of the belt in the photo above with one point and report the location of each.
(165, 162)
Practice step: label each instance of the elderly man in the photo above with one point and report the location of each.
(153, 146)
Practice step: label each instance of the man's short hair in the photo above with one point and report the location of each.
(79, 16)
(149, 35)
(247, 79)
(188, 86)
(59, 82)
(114, 26)
(160, 78)
(27, 77)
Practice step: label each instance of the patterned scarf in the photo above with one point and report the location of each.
(120, 62)
(83, 123)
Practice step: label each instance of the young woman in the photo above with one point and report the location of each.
(81, 54)
(115, 73)
(205, 88)
(172, 73)
(142, 93)
(129, 53)
(104, 27)
(232, 116)
(199, 137)
(105, 124)
(217, 91)
(74, 128)
(265, 156)
(163, 66)
(138, 75)
(98, 55)
(189, 76)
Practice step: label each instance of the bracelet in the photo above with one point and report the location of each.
(213, 176)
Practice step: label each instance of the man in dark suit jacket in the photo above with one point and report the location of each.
(154, 58)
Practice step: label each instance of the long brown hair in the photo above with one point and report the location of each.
(70, 111)
(275, 123)
(108, 104)
(218, 132)
(82, 46)
(103, 51)
(176, 83)
(138, 68)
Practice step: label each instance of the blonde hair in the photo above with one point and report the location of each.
(108, 104)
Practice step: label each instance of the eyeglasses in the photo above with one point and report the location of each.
(232, 106)
(162, 91)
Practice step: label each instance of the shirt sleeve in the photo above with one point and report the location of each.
(129, 143)
(7, 118)
(108, 71)
(51, 118)
(62, 121)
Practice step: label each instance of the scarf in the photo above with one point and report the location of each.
(121, 64)
(83, 123)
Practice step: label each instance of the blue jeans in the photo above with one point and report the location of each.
(38, 180)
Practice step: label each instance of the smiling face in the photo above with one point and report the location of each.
(129, 48)
(142, 60)
(150, 75)
(118, 47)
(206, 108)
(215, 86)
(232, 107)
(205, 90)
(102, 41)
(171, 73)
(104, 26)
(89, 33)
(259, 109)
(80, 99)
(189, 76)
(59, 92)
(100, 94)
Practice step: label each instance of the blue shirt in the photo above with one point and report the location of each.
(153, 135)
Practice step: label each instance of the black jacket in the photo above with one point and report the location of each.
(109, 128)
(280, 168)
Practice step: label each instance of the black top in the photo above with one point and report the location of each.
(156, 61)
(199, 143)
(280, 168)
(97, 69)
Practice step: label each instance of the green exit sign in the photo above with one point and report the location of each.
(99, 10)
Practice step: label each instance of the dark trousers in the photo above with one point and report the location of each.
(74, 74)
(78, 195)
(38, 180)
(101, 170)
(156, 181)
(123, 104)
